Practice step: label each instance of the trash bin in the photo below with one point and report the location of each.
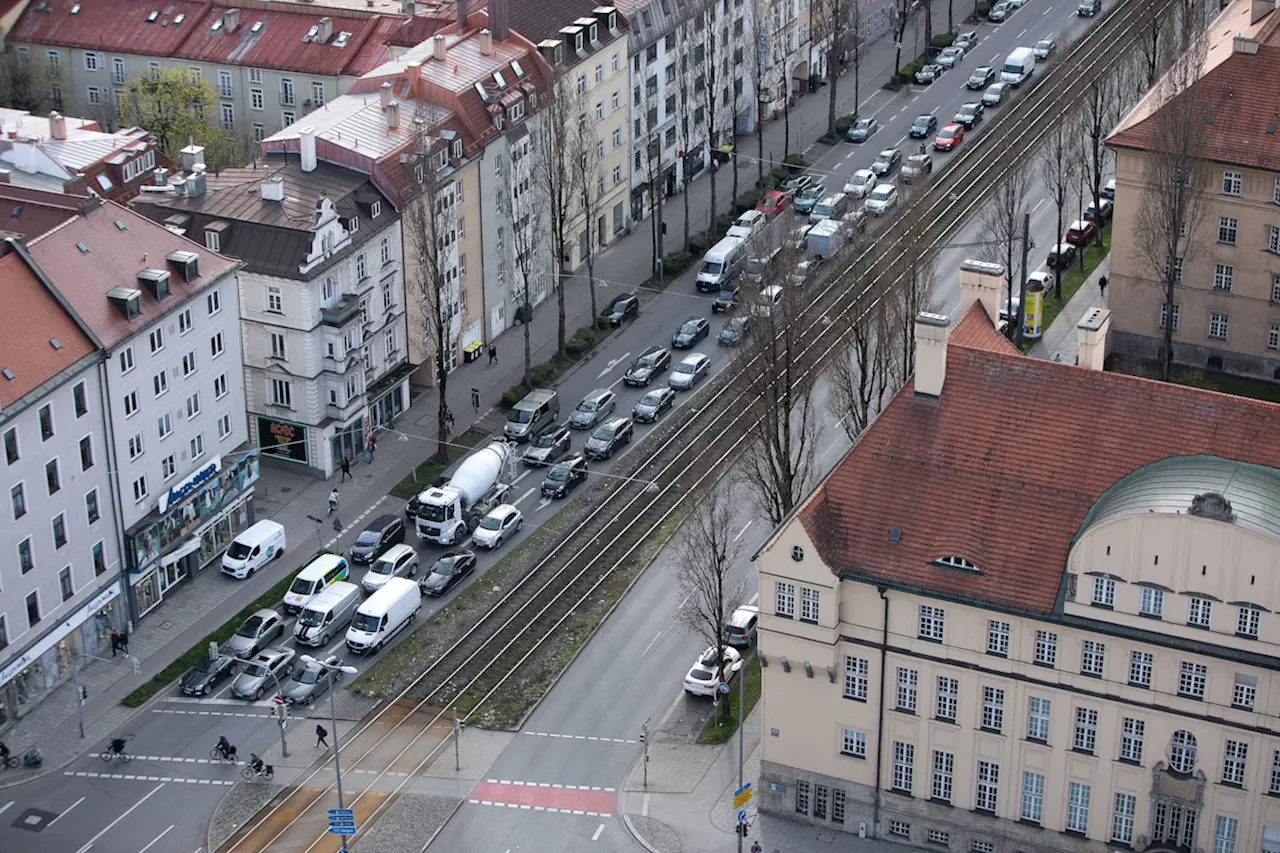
(471, 352)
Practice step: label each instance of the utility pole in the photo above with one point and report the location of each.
(82, 693)
(742, 721)
(457, 732)
(644, 739)
(1022, 284)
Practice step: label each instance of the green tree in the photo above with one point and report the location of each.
(175, 108)
(24, 85)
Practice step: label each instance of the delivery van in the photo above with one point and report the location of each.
(721, 263)
(328, 614)
(1019, 67)
(320, 574)
(383, 615)
(253, 549)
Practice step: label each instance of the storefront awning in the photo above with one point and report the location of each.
(189, 547)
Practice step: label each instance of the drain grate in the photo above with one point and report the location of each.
(166, 625)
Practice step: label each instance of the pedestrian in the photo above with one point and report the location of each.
(493, 354)
(115, 643)
(333, 501)
(1102, 285)
(448, 424)
(346, 470)
(337, 525)
(321, 734)
(373, 444)
(755, 847)
(124, 642)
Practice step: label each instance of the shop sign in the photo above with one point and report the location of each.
(180, 490)
(283, 440)
(22, 661)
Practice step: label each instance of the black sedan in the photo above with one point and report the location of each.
(969, 114)
(565, 476)
(651, 362)
(608, 437)
(622, 308)
(452, 567)
(690, 332)
(652, 405)
(383, 532)
(982, 77)
(549, 446)
(923, 127)
(207, 674)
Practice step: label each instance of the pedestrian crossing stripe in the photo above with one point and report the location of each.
(581, 737)
(548, 809)
(208, 713)
(139, 777)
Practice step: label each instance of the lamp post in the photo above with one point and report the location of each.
(330, 666)
(742, 679)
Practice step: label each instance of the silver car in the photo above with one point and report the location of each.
(593, 409)
(310, 682)
(263, 673)
(255, 634)
(687, 373)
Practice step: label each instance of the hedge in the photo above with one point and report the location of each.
(746, 201)
(795, 162)
(844, 123)
(907, 73)
(545, 375)
(942, 40)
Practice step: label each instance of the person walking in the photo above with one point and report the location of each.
(346, 469)
(115, 642)
(493, 354)
(124, 642)
(1102, 286)
(321, 734)
(333, 501)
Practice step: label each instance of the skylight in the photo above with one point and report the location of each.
(179, 18)
(151, 19)
(217, 25)
(256, 28)
(84, 250)
(75, 10)
(497, 78)
(515, 66)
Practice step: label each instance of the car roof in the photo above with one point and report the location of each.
(503, 510)
(863, 173)
(889, 151)
(651, 351)
(599, 392)
(264, 613)
(694, 358)
(743, 614)
(616, 422)
(1079, 224)
(397, 551)
(382, 522)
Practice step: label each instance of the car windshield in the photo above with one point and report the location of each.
(251, 627)
(712, 267)
(617, 305)
(755, 266)
(545, 440)
(863, 124)
(203, 665)
(1044, 45)
(367, 537)
(307, 676)
(645, 361)
(383, 567)
(653, 398)
(587, 406)
(884, 157)
(520, 416)
(604, 433)
(880, 194)
(947, 133)
(684, 367)
(558, 474)
(255, 670)
(311, 618)
(863, 178)
(966, 110)
(492, 522)
(238, 551)
(365, 622)
(922, 121)
(689, 328)
(443, 567)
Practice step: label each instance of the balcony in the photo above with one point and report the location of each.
(341, 312)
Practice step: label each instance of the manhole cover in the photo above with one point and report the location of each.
(34, 820)
(166, 625)
(285, 489)
(826, 839)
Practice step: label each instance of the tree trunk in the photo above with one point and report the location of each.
(685, 166)
(653, 224)
(560, 319)
(1057, 274)
(928, 28)
(711, 224)
(832, 77)
(951, 21)
(759, 143)
(528, 352)
(786, 116)
(591, 282)
(733, 206)
(442, 409)
(1166, 342)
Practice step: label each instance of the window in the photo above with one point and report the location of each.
(908, 682)
(277, 344)
(25, 560)
(156, 339)
(992, 709)
(1152, 602)
(1247, 621)
(164, 425)
(1164, 312)
(998, 638)
(117, 70)
(215, 345)
(1244, 693)
(91, 510)
(385, 250)
(837, 805)
(193, 405)
(931, 623)
(317, 93)
(33, 609)
(1273, 336)
(820, 801)
(1122, 818)
(1218, 326)
(220, 387)
(212, 241)
(86, 453)
(286, 92)
(227, 116)
(853, 744)
(1182, 751)
(1273, 240)
(189, 364)
(1078, 807)
(1032, 796)
(1140, 669)
(126, 360)
(282, 393)
(1227, 228)
(18, 498)
(46, 423)
(784, 600)
(616, 102)
(1233, 762)
(1191, 680)
(582, 78)
(1224, 835)
(197, 446)
(1038, 718)
(1104, 592)
(135, 446)
(1086, 729)
(184, 321)
(1275, 756)
(948, 698)
(1198, 609)
(900, 828)
(802, 796)
(1231, 182)
(275, 301)
(213, 303)
(1046, 648)
(988, 786)
(224, 426)
(943, 762)
(130, 404)
(1092, 658)
(1222, 277)
(140, 489)
(904, 758)
(617, 179)
(160, 382)
(856, 677)
(1131, 733)
(808, 605)
(168, 466)
(51, 476)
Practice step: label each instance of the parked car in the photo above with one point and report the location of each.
(1043, 48)
(886, 161)
(593, 409)
(549, 446)
(1061, 256)
(502, 522)
(207, 674)
(923, 126)
(966, 40)
(928, 73)
(1109, 190)
(981, 77)
(255, 634)
(740, 630)
(969, 114)
(448, 569)
(705, 676)
(748, 225)
(608, 438)
(882, 199)
(687, 373)
(1015, 4)
(310, 681)
(998, 12)
(690, 332)
(950, 56)
(269, 668)
(1100, 216)
(862, 130)
(734, 331)
(949, 137)
(916, 167)
(808, 197)
(399, 561)
(772, 203)
(565, 476)
(622, 308)
(994, 94)
(860, 183)
(381, 533)
(647, 365)
(726, 299)
(1080, 233)
(794, 185)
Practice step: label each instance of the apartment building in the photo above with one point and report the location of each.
(165, 311)
(1226, 308)
(976, 645)
(60, 573)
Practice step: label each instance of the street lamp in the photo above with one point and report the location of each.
(742, 679)
(284, 745)
(329, 669)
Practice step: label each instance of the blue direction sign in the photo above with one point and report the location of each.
(348, 813)
(342, 830)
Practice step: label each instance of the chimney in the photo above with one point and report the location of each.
(437, 47)
(412, 75)
(393, 115)
(462, 15)
(486, 43)
(4, 176)
(178, 184)
(931, 353)
(1261, 8)
(981, 282)
(192, 156)
(231, 20)
(498, 19)
(273, 189)
(195, 181)
(384, 94)
(307, 148)
(1091, 338)
(1245, 45)
(325, 31)
(57, 126)
(161, 177)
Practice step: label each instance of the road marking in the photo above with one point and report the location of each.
(644, 807)
(525, 495)
(1021, 34)
(523, 474)
(1045, 12)
(754, 598)
(613, 362)
(161, 779)
(743, 530)
(182, 760)
(157, 838)
(539, 808)
(6, 806)
(59, 817)
(599, 829)
(1037, 207)
(902, 140)
(655, 639)
(122, 816)
(543, 504)
(207, 713)
(572, 737)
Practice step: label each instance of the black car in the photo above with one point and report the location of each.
(207, 674)
(969, 114)
(651, 362)
(622, 308)
(690, 332)
(726, 299)
(563, 477)
(652, 405)
(982, 77)
(923, 127)
(1099, 216)
(452, 567)
(608, 437)
(383, 532)
(549, 446)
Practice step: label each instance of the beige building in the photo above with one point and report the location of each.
(1226, 312)
(1059, 638)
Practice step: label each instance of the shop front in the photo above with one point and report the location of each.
(389, 396)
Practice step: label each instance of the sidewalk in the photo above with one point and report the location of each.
(1059, 341)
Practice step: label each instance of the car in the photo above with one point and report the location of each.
(704, 676)
(207, 674)
(758, 266)
(1044, 280)
(593, 409)
(950, 56)
(687, 373)
(804, 270)
(862, 130)
(255, 634)
(928, 73)
(982, 77)
(1109, 190)
(855, 221)
(734, 331)
(773, 202)
(448, 569)
(310, 681)
(882, 199)
(794, 185)
(1080, 233)
(650, 407)
(998, 12)
(1100, 215)
(923, 126)
(994, 94)
(798, 240)
(268, 670)
(860, 183)
(647, 365)
(1043, 48)
(381, 533)
(502, 522)
(399, 561)
(949, 137)
(608, 437)
(966, 40)
(969, 114)
(726, 299)
(915, 167)
(690, 332)
(740, 630)
(549, 446)
(808, 197)
(622, 308)
(561, 479)
(1015, 4)
(748, 225)
(886, 161)
(1061, 256)
(1008, 309)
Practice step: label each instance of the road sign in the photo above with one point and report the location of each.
(742, 815)
(342, 821)
(724, 687)
(475, 398)
(342, 830)
(742, 796)
(347, 813)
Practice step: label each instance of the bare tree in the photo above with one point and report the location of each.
(1100, 109)
(829, 20)
(855, 54)
(863, 370)
(523, 210)
(590, 183)
(26, 85)
(690, 102)
(901, 14)
(708, 59)
(1059, 170)
(756, 68)
(1002, 225)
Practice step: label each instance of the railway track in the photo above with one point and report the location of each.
(393, 746)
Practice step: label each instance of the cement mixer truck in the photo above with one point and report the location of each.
(447, 514)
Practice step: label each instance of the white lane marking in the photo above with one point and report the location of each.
(655, 639)
(599, 829)
(1021, 34)
(157, 838)
(543, 504)
(644, 807)
(524, 474)
(122, 816)
(743, 530)
(140, 778)
(754, 598)
(1045, 12)
(1037, 207)
(902, 140)
(334, 647)
(6, 806)
(208, 713)
(994, 58)
(525, 495)
(572, 737)
(613, 362)
(69, 808)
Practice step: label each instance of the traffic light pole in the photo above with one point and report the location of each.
(82, 693)
(644, 738)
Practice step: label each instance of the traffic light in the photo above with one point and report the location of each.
(84, 694)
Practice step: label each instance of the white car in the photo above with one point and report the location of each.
(860, 183)
(498, 526)
(950, 56)
(748, 225)
(882, 198)
(703, 679)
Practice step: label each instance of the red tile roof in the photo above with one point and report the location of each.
(1002, 468)
(119, 25)
(30, 212)
(33, 319)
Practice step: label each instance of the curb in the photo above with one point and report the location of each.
(626, 816)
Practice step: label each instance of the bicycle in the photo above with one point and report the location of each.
(219, 755)
(108, 755)
(10, 761)
(265, 771)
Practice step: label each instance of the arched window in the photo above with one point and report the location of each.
(1182, 751)
(953, 562)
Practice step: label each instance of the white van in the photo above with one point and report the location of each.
(253, 549)
(383, 615)
(1019, 67)
(720, 264)
(320, 573)
(328, 614)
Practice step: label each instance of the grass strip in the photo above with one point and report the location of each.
(715, 732)
(1240, 386)
(428, 472)
(1072, 280)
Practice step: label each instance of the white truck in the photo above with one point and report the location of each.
(1019, 67)
(825, 238)
(447, 514)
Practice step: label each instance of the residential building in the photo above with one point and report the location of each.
(165, 312)
(976, 643)
(33, 212)
(60, 571)
(321, 297)
(1226, 305)
(74, 155)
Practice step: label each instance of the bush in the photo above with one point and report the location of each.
(746, 201)
(697, 246)
(602, 323)
(676, 263)
(778, 175)
(907, 72)
(795, 162)
(545, 374)
(942, 40)
(511, 396)
(981, 8)
(844, 123)
(582, 342)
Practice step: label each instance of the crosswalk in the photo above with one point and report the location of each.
(138, 777)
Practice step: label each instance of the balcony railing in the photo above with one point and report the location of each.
(341, 312)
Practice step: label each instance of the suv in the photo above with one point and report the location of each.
(726, 299)
(650, 363)
(608, 438)
(594, 408)
(621, 309)
(383, 532)
(1080, 233)
(740, 630)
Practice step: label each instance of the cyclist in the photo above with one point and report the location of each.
(224, 746)
(333, 501)
(117, 746)
(255, 762)
(4, 752)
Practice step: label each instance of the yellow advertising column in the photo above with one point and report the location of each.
(1033, 311)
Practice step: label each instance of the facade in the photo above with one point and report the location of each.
(321, 298)
(1227, 287)
(1009, 649)
(60, 573)
(165, 312)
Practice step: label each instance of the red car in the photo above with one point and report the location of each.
(1081, 233)
(949, 137)
(773, 203)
